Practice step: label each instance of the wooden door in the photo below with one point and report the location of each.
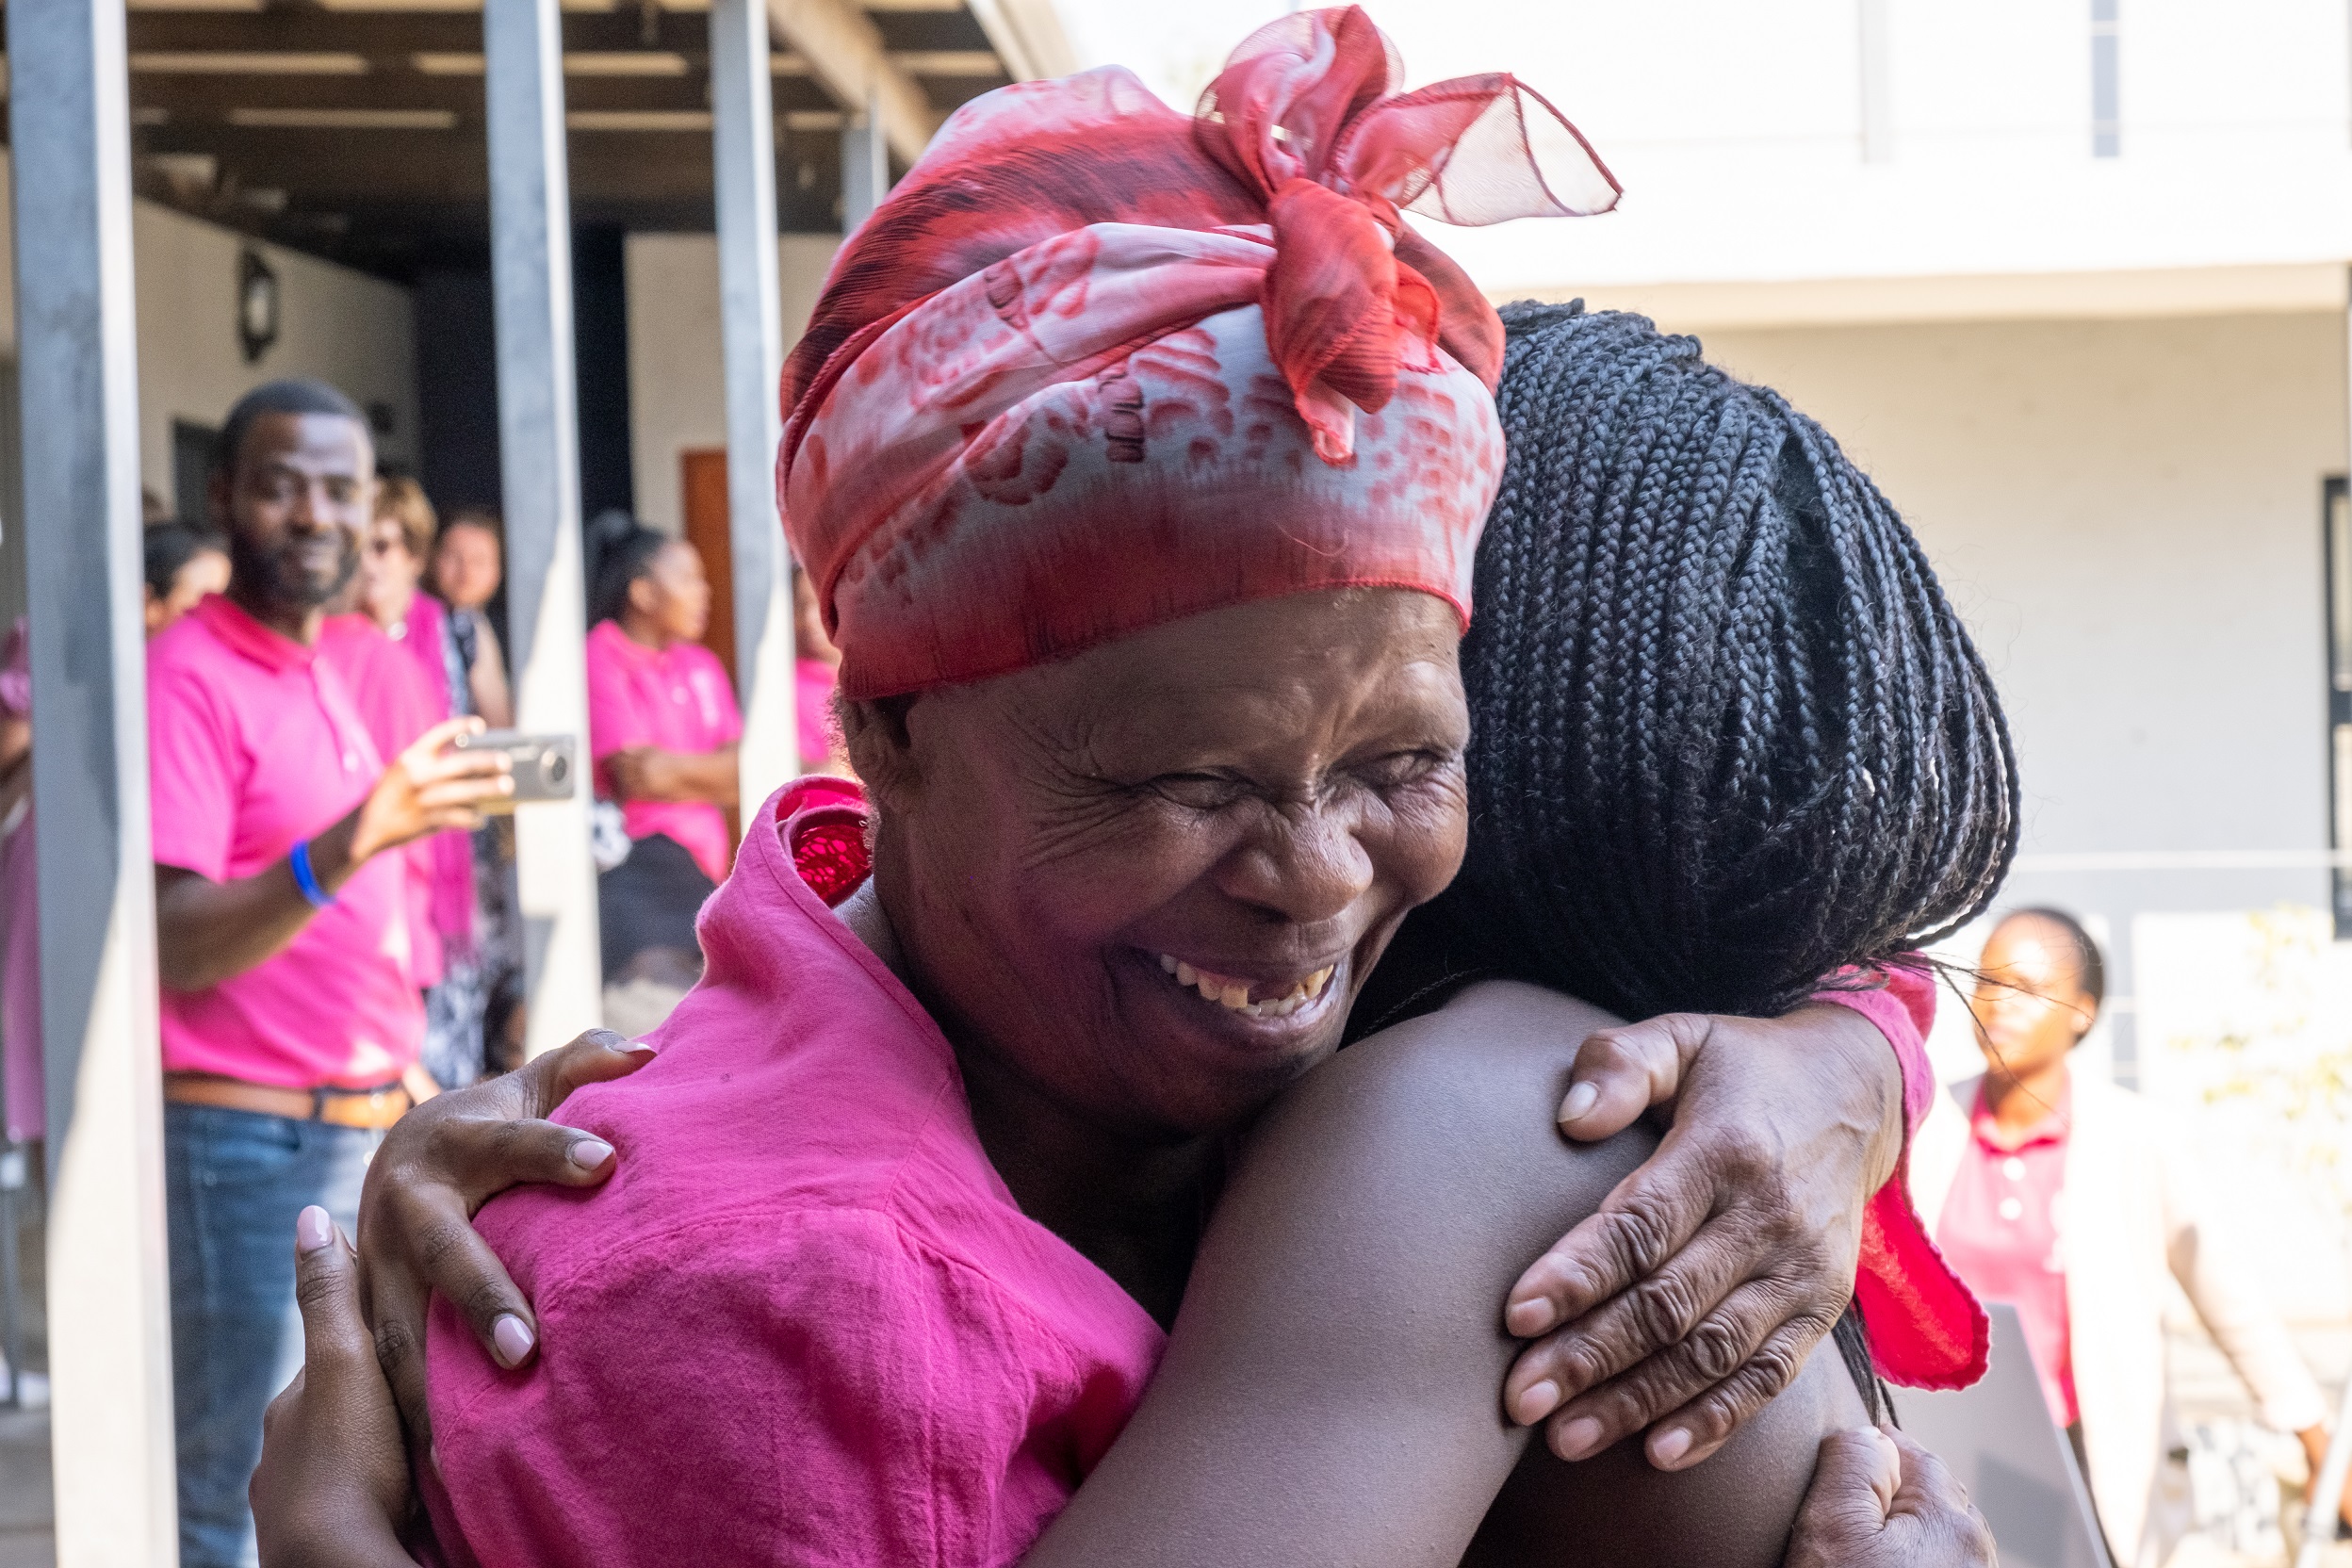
(703, 488)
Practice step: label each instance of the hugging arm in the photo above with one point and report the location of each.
(1330, 1390)
(1691, 1296)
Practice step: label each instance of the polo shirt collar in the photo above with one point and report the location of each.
(624, 644)
(243, 634)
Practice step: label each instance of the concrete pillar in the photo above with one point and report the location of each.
(531, 274)
(752, 335)
(109, 1319)
(865, 164)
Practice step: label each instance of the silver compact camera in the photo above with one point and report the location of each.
(545, 767)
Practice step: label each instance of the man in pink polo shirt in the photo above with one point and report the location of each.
(291, 1020)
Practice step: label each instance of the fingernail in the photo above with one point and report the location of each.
(511, 1336)
(1670, 1445)
(1580, 1101)
(589, 1153)
(611, 1039)
(312, 1229)
(1578, 1439)
(1537, 1401)
(1526, 1319)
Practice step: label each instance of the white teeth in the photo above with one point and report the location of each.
(1234, 995)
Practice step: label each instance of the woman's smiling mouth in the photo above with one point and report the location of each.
(1234, 994)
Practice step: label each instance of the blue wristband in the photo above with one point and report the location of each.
(308, 879)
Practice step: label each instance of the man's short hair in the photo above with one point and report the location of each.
(294, 394)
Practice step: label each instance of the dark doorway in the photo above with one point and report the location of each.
(457, 377)
(191, 471)
(600, 346)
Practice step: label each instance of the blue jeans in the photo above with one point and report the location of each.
(234, 1182)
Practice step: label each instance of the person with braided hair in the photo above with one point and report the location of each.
(1727, 735)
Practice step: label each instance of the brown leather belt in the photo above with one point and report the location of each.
(372, 1109)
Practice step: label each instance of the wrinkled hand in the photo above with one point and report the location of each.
(439, 1164)
(1694, 1293)
(429, 787)
(332, 1489)
(1879, 1501)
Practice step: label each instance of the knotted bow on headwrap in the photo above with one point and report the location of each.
(1094, 366)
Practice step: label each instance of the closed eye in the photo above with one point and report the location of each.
(1398, 770)
(1200, 792)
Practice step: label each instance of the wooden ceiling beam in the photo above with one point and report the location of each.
(211, 97)
(392, 36)
(845, 51)
(451, 168)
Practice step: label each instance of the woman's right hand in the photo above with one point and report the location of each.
(439, 1164)
(1879, 1501)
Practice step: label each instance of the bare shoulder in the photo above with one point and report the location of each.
(1498, 1050)
(1438, 1140)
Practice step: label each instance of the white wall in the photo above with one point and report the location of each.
(340, 326)
(677, 392)
(1737, 130)
(2128, 513)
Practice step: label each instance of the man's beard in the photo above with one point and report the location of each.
(276, 576)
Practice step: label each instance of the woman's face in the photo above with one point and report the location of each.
(388, 572)
(1151, 880)
(465, 565)
(205, 572)
(673, 599)
(2030, 1004)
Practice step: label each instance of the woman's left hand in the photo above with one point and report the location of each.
(1696, 1292)
(332, 1489)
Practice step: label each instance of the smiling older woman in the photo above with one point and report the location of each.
(1141, 478)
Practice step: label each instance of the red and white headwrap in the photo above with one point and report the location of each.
(1095, 365)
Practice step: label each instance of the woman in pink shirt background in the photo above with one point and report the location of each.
(663, 722)
(2078, 1202)
(662, 726)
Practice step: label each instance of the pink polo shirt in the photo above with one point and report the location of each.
(675, 699)
(2002, 1228)
(829, 1339)
(397, 705)
(253, 742)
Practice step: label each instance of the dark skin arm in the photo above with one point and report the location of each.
(1693, 1294)
(1329, 1392)
(207, 931)
(648, 773)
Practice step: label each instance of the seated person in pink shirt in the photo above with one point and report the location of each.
(289, 1011)
(905, 1194)
(662, 726)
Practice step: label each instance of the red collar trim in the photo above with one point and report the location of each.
(273, 650)
(823, 823)
(2052, 1127)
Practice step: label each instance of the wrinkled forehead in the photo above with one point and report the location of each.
(1312, 670)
